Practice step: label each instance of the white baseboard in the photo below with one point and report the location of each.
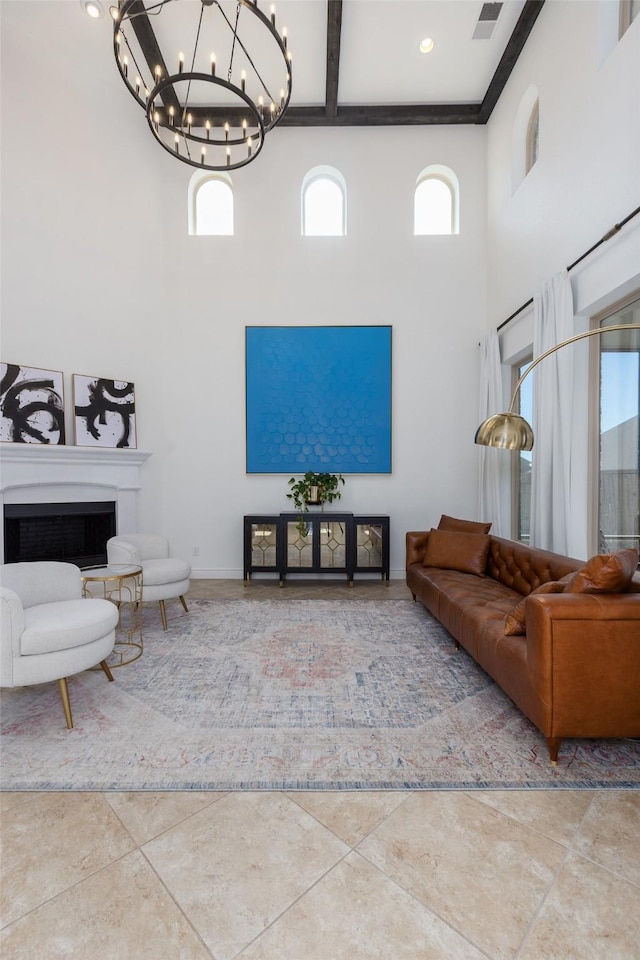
(204, 573)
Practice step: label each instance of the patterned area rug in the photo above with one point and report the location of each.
(293, 694)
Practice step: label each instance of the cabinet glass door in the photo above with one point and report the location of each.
(263, 540)
(333, 544)
(299, 545)
(369, 546)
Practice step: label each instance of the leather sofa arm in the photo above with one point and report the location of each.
(416, 546)
(583, 656)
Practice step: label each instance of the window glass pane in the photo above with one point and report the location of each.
(525, 409)
(323, 209)
(619, 503)
(214, 209)
(629, 10)
(433, 207)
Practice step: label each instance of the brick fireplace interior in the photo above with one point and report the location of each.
(73, 532)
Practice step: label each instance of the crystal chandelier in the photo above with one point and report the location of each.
(213, 106)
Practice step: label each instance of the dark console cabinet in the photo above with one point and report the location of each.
(316, 543)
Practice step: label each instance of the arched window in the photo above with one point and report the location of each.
(211, 205)
(525, 137)
(324, 204)
(533, 130)
(436, 202)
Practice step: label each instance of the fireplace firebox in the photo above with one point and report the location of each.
(73, 532)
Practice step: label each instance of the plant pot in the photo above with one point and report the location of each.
(314, 498)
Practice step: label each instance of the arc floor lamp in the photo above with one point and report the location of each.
(510, 431)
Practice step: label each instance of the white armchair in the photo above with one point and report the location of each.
(49, 631)
(163, 577)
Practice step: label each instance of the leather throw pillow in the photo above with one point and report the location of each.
(466, 552)
(606, 573)
(462, 526)
(515, 622)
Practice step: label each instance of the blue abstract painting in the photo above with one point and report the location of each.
(318, 398)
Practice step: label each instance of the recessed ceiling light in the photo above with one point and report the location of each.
(93, 8)
(427, 45)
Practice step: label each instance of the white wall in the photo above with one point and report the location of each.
(100, 277)
(587, 179)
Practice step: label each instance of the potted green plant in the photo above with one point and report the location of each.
(314, 489)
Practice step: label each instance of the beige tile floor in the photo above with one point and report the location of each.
(534, 875)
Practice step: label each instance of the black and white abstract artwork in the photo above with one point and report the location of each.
(104, 412)
(31, 405)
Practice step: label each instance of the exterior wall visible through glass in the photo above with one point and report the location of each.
(523, 458)
(619, 433)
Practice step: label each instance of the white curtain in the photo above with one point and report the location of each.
(552, 461)
(493, 485)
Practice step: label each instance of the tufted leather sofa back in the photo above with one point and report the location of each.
(523, 568)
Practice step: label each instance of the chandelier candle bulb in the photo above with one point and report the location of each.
(176, 141)
(284, 37)
(203, 155)
(171, 113)
(249, 146)
(243, 80)
(180, 62)
(189, 118)
(213, 64)
(228, 156)
(226, 132)
(208, 129)
(125, 65)
(273, 15)
(138, 83)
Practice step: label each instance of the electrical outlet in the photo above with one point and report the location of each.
(196, 551)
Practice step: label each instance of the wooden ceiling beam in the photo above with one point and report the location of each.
(514, 48)
(382, 115)
(153, 55)
(334, 31)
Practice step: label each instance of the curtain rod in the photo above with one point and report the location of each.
(611, 233)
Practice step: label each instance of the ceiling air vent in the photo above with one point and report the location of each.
(487, 21)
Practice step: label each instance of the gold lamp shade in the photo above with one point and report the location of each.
(509, 431)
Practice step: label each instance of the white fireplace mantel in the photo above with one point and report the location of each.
(43, 473)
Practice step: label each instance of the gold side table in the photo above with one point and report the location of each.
(122, 584)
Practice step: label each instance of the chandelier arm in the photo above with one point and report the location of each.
(233, 45)
(579, 336)
(133, 56)
(149, 11)
(244, 49)
(193, 60)
(148, 44)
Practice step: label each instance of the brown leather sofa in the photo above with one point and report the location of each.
(574, 670)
